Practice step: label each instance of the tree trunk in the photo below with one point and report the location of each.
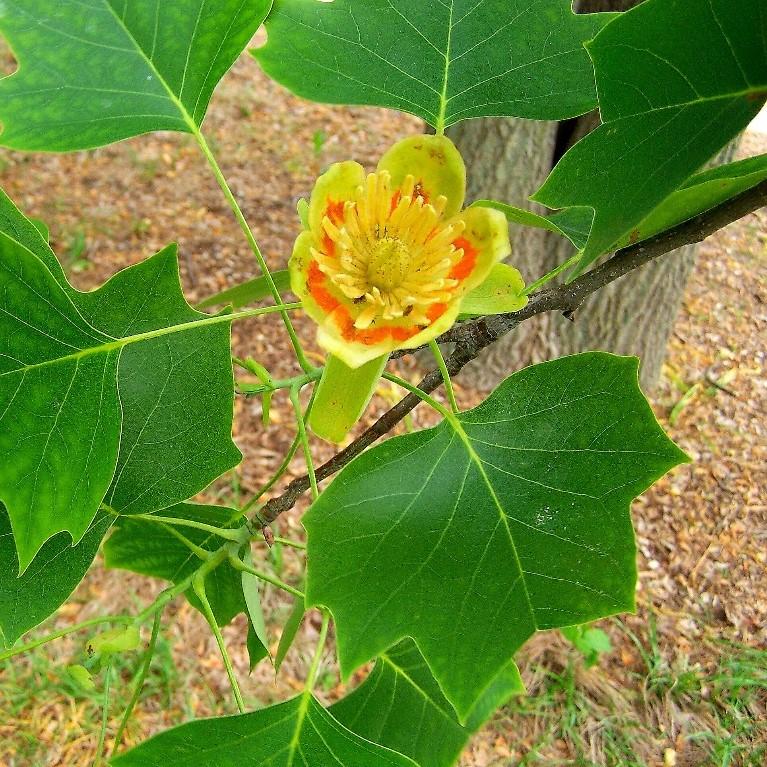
(508, 160)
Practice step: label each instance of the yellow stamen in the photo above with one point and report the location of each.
(392, 253)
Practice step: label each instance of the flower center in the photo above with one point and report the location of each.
(391, 253)
(389, 264)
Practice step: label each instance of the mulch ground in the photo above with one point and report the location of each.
(701, 530)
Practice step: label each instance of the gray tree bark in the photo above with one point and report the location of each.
(508, 160)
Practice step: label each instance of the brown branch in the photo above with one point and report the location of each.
(472, 337)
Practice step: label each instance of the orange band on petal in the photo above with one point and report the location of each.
(467, 263)
(315, 284)
(328, 246)
(436, 311)
(373, 336)
(403, 334)
(335, 211)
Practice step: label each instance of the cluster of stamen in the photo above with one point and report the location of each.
(390, 252)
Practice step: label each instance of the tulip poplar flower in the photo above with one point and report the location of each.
(383, 263)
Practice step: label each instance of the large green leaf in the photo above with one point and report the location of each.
(469, 538)
(63, 420)
(401, 706)
(298, 732)
(47, 582)
(152, 549)
(176, 391)
(96, 71)
(59, 410)
(676, 82)
(442, 60)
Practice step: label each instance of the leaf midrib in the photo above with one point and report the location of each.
(120, 343)
(443, 99)
(188, 119)
(759, 90)
(457, 427)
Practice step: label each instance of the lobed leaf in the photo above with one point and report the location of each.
(469, 537)
(297, 732)
(401, 706)
(53, 575)
(92, 72)
(442, 61)
(123, 394)
(676, 82)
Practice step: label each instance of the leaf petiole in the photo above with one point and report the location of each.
(121, 619)
(238, 564)
(422, 395)
(541, 281)
(303, 437)
(140, 679)
(198, 584)
(198, 551)
(306, 366)
(283, 467)
(437, 352)
(314, 670)
(238, 535)
(293, 544)
(104, 716)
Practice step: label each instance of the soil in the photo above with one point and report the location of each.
(701, 530)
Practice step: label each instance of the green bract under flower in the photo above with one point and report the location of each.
(387, 257)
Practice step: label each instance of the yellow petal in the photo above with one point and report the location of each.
(484, 241)
(332, 189)
(320, 297)
(353, 353)
(439, 326)
(434, 163)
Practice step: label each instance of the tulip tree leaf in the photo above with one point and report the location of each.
(152, 549)
(92, 72)
(176, 391)
(248, 292)
(442, 60)
(124, 392)
(666, 108)
(53, 575)
(59, 408)
(472, 536)
(573, 223)
(297, 733)
(401, 706)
